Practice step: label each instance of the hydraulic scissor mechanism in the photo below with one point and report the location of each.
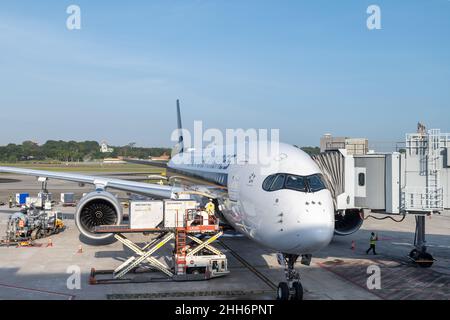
(144, 255)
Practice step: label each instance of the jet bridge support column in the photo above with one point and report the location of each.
(419, 241)
(420, 254)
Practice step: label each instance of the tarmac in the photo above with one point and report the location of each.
(338, 272)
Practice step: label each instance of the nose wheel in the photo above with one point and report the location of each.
(283, 291)
(292, 289)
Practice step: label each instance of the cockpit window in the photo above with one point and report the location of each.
(315, 183)
(278, 183)
(312, 183)
(296, 183)
(268, 182)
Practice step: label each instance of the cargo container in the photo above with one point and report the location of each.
(174, 212)
(21, 198)
(34, 201)
(146, 214)
(68, 199)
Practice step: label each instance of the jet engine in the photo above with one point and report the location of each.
(95, 209)
(347, 222)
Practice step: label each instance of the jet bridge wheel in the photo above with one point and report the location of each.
(423, 259)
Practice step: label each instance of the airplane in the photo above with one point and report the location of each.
(289, 210)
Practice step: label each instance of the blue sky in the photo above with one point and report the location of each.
(305, 67)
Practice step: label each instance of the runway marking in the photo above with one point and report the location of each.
(213, 293)
(261, 276)
(402, 244)
(69, 296)
(431, 245)
(328, 268)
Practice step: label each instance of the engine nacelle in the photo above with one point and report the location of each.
(95, 209)
(348, 222)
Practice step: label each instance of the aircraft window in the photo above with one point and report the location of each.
(296, 183)
(268, 182)
(361, 179)
(278, 183)
(315, 183)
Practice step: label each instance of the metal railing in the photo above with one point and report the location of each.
(422, 199)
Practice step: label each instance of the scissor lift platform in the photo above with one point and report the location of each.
(194, 259)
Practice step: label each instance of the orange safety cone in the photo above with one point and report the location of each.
(80, 249)
(353, 245)
(49, 243)
(92, 279)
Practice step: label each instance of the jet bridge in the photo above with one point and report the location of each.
(416, 181)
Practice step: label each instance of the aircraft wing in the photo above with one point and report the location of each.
(171, 173)
(156, 190)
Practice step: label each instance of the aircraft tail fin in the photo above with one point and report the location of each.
(179, 147)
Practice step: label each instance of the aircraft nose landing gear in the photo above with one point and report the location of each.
(292, 289)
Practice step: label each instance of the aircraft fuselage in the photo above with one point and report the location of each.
(294, 216)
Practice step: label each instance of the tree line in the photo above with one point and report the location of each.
(71, 151)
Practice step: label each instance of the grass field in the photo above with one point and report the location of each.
(88, 167)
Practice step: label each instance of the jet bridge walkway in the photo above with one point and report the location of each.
(416, 181)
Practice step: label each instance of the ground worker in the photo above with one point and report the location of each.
(10, 202)
(373, 240)
(210, 208)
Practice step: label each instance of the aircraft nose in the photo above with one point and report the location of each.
(316, 238)
(316, 225)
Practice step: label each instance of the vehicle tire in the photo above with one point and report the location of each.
(414, 254)
(195, 271)
(34, 234)
(298, 291)
(283, 291)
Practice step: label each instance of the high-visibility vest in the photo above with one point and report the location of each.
(373, 239)
(210, 207)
